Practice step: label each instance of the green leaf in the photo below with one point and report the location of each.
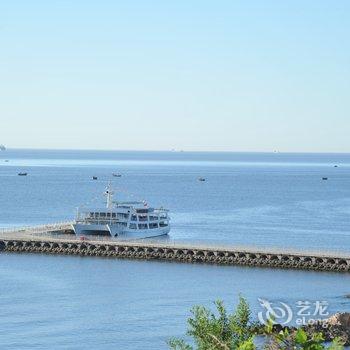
(179, 344)
(337, 344)
(300, 336)
(269, 326)
(247, 345)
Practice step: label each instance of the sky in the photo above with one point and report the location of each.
(193, 75)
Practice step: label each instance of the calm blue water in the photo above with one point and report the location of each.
(265, 200)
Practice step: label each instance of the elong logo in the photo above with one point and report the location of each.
(281, 313)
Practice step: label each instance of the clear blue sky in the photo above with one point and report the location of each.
(187, 74)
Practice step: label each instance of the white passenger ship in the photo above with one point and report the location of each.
(124, 219)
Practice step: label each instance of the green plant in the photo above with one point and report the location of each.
(236, 331)
(299, 340)
(220, 330)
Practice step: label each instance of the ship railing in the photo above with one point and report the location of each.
(102, 221)
(161, 210)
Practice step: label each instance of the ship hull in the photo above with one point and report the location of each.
(116, 231)
(139, 234)
(83, 229)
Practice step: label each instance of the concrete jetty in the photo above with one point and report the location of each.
(39, 240)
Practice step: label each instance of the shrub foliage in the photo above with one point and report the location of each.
(221, 330)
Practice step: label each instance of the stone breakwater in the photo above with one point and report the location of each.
(177, 253)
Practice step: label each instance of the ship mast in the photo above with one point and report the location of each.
(109, 193)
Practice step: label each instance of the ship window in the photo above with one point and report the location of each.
(113, 215)
(133, 218)
(153, 225)
(132, 226)
(142, 211)
(163, 224)
(103, 215)
(142, 217)
(153, 218)
(108, 215)
(97, 215)
(143, 226)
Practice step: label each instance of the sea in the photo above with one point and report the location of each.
(279, 201)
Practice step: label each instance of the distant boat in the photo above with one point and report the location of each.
(2, 148)
(117, 175)
(325, 178)
(335, 166)
(94, 177)
(201, 179)
(22, 174)
(6, 160)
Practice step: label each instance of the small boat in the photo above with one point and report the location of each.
(2, 148)
(6, 160)
(325, 178)
(116, 175)
(22, 174)
(201, 179)
(94, 177)
(335, 166)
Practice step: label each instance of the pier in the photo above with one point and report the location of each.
(40, 239)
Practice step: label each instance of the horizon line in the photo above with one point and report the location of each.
(171, 150)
